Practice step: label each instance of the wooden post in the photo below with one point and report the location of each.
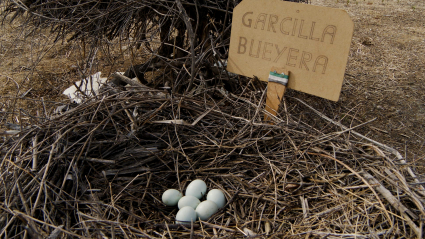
(278, 79)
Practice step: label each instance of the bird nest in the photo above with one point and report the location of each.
(98, 170)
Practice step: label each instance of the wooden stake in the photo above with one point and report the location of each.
(275, 91)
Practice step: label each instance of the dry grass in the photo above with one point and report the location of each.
(99, 169)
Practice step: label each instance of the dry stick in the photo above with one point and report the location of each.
(225, 20)
(24, 202)
(128, 80)
(203, 115)
(354, 132)
(364, 180)
(146, 188)
(394, 202)
(44, 107)
(274, 179)
(191, 230)
(391, 150)
(9, 132)
(399, 177)
(89, 134)
(56, 232)
(192, 42)
(304, 206)
(4, 230)
(394, 180)
(217, 226)
(97, 160)
(12, 149)
(276, 119)
(126, 186)
(29, 218)
(21, 195)
(393, 214)
(168, 230)
(34, 153)
(335, 134)
(43, 180)
(100, 220)
(337, 235)
(330, 210)
(157, 110)
(83, 225)
(267, 228)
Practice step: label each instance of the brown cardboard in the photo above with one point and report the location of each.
(311, 42)
(275, 92)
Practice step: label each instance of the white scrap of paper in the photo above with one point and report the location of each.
(90, 86)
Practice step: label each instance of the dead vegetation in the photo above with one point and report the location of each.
(98, 169)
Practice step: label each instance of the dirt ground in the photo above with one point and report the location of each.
(385, 72)
(383, 79)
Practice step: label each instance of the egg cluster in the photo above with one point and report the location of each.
(190, 206)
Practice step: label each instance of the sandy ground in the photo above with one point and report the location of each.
(385, 73)
(384, 76)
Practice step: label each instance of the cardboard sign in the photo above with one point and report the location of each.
(311, 42)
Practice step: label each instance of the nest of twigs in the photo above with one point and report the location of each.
(98, 170)
(185, 39)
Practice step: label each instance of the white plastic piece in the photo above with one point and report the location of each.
(89, 86)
